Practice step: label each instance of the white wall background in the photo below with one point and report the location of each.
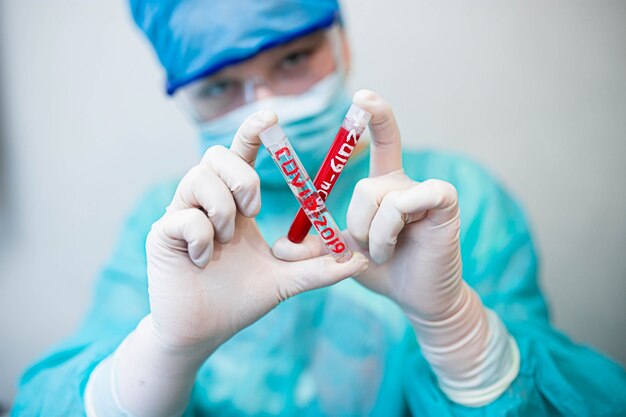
(534, 89)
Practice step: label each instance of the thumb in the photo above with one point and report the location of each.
(311, 247)
(319, 272)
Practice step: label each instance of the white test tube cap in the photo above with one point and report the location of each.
(272, 136)
(358, 116)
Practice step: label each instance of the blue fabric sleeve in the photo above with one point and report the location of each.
(557, 377)
(55, 384)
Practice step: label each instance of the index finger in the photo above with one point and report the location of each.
(386, 148)
(246, 141)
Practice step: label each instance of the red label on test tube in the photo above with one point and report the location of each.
(342, 147)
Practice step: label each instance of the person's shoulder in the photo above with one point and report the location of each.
(481, 193)
(152, 203)
(159, 193)
(150, 206)
(465, 173)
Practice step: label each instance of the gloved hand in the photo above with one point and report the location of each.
(201, 290)
(411, 231)
(210, 274)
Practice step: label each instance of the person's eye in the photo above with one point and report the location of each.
(216, 89)
(295, 59)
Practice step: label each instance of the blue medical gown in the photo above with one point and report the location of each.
(345, 351)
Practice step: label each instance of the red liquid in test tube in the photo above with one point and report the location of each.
(342, 147)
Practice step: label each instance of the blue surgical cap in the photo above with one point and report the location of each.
(196, 38)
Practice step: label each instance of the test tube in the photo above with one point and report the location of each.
(353, 125)
(302, 187)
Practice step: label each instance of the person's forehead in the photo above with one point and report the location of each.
(270, 56)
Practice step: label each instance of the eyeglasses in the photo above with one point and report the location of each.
(289, 69)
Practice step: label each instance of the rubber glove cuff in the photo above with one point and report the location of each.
(115, 387)
(469, 349)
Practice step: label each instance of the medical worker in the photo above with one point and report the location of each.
(204, 309)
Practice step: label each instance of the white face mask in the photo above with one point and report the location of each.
(310, 120)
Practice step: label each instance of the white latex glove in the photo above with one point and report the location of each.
(211, 274)
(411, 231)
